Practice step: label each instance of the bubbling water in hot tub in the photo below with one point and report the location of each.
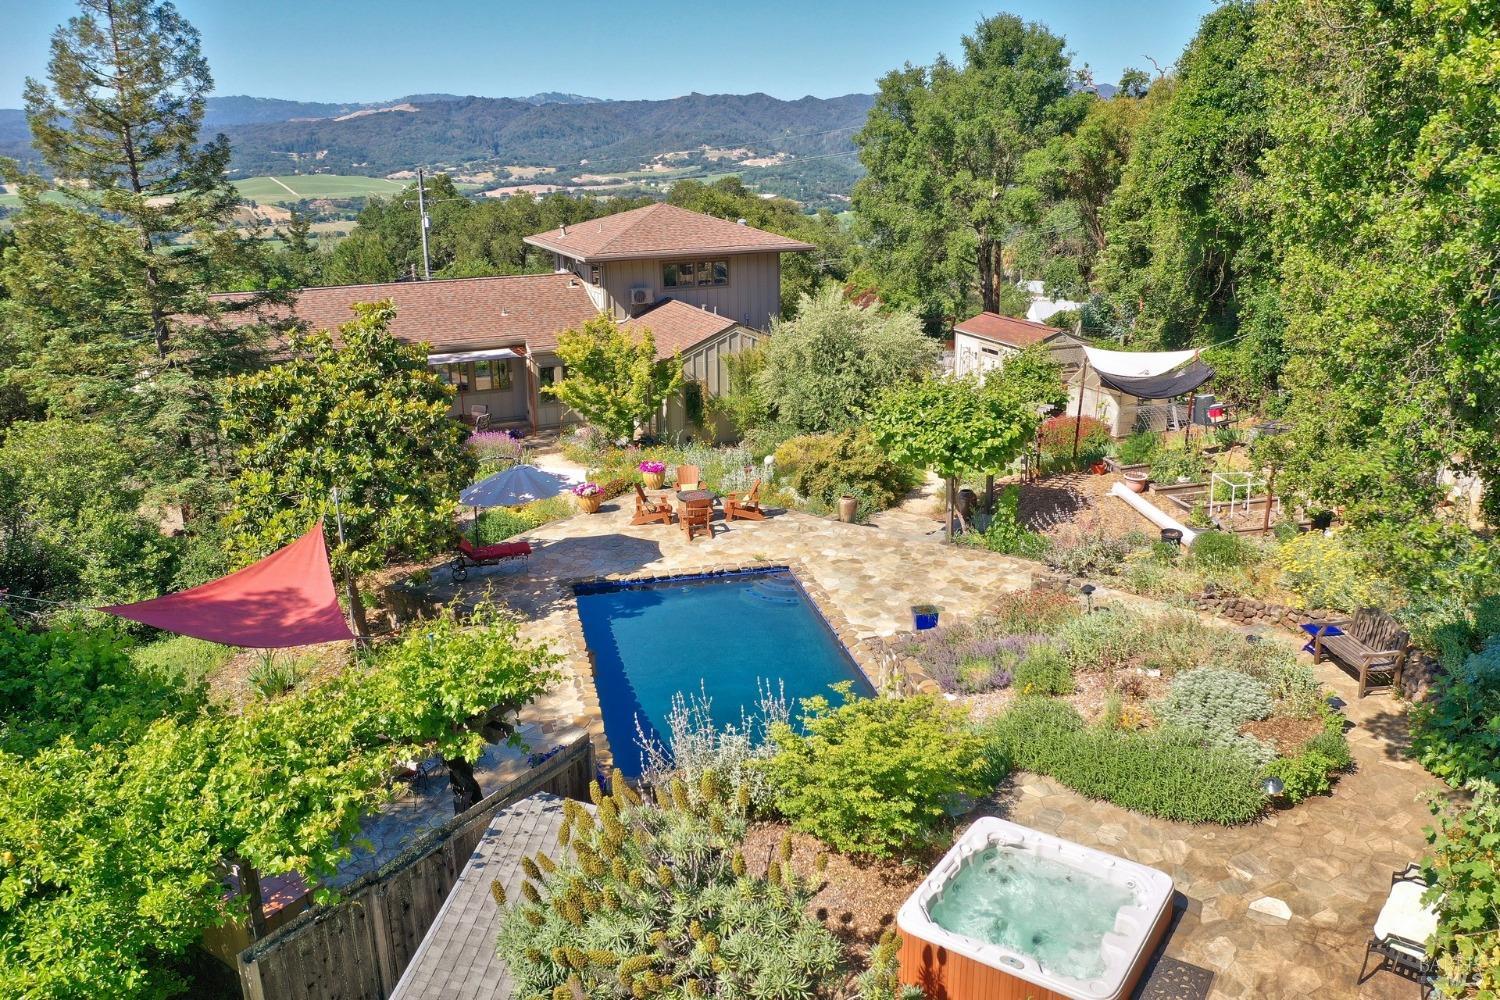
(1050, 911)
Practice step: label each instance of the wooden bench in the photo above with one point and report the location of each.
(1372, 642)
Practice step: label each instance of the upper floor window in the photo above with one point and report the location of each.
(594, 274)
(698, 273)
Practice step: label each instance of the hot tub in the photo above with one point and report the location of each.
(1011, 912)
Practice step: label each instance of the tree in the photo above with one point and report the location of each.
(614, 379)
(105, 270)
(114, 841)
(1382, 184)
(364, 416)
(945, 149)
(820, 370)
(1185, 259)
(956, 426)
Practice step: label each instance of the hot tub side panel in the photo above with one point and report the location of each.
(946, 975)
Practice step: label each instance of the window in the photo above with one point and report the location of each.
(594, 275)
(457, 376)
(484, 375)
(550, 374)
(690, 274)
(481, 376)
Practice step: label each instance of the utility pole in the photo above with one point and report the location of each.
(422, 211)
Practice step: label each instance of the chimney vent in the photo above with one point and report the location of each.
(563, 228)
(743, 222)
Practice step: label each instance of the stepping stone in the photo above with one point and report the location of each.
(1271, 907)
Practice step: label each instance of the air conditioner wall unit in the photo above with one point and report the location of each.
(640, 296)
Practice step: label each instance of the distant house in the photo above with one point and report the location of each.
(982, 343)
(706, 288)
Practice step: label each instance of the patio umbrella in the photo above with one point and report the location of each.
(510, 488)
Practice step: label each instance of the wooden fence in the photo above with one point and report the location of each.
(358, 948)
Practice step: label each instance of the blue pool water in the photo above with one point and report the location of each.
(717, 636)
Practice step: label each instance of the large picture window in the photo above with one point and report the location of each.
(695, 273)
(478, 376)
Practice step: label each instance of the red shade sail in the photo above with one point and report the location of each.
(286, 599)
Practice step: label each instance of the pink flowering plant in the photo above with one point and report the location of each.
(652, 467)
(587, 490)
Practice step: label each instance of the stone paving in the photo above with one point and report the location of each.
(1281, 908)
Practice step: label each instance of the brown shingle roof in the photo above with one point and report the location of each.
(458, 312)
(677, 326)
(1006, 329)
(659, 230)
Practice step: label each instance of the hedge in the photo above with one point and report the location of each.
(1155, 772)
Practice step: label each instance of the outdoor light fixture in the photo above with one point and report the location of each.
(1087, 590)
(1273, 786)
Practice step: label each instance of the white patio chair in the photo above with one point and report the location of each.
(1402, 930)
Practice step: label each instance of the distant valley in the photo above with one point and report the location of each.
(801, 149)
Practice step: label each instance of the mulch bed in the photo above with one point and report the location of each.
(1286, 735)
(859, 897)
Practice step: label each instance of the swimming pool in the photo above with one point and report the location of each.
(717, 634)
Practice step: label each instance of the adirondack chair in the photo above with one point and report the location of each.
(650, 511)
(1371, 642)
(747, 508)
(697, 515)
(688, 478)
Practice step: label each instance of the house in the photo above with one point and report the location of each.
(705, 287)
(982, 343)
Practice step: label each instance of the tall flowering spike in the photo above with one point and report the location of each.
(773, 873)
(564, 833)
(820, 863)
(497, 892)
(680, 795)
(664, 877)
(610, 898)
(529, 891)
(695, 930)
(572, 912)
(618, 869)
(785, 848)
(708, 786)
(716, 825)
(663, 794)
(534, 917)
(603, 956)
(658, 940)
(596, 794)
(561, 992)
(738, 865)
(531, 869)
(742, 799)
(545, 863)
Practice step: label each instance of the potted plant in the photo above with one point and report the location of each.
(589, 496)
(1137, 481)
(924, 616)
(653, 474)
(847, 507)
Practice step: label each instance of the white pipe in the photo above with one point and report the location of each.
(1151, 512)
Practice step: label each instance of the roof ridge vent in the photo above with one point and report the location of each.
(743, 222)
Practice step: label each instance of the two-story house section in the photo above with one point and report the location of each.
(635, 259)
(706, 288)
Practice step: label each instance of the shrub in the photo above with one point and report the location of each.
(1157, 772)
(496, 449)
(1170, 465)
(1456, 729)
(1102, 640)
(1040, 609)
(274, 673)
(1086, 552)
(1313, 768)
(1218, 550)
(823, 467)
(656, 897)
(1331, 571)
(876, 775)
(1006, 534)
(1297, 691)
(1043, 670)
(1057, 440)
(1139, 448)
(180, 661)
(969, 657)
(695, 745)
(1213, 703)
(499, 523)
(1464, 873)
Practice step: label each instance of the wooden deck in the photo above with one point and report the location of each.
(457, 960)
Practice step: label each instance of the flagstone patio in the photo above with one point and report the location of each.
(1281, 908)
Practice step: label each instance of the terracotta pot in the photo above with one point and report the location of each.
(1137, 481)
(590, 505)
(1098, 468)
(847, 507)
(653, 480)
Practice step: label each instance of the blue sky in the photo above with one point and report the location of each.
(339, 50)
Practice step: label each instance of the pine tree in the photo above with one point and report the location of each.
(111, 272)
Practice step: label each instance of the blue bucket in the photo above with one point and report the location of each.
(924, 617)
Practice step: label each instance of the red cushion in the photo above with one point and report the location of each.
(500, 551)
